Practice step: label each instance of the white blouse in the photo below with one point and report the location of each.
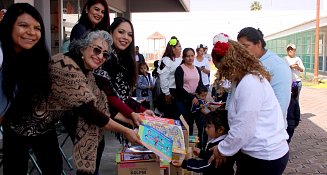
(296, 74)
(205, 63)
(167, 74)
(257, 127)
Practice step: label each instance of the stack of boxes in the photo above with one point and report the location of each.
(131, 162)
(156, 166)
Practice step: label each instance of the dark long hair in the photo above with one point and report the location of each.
(253, 35)
(28, 70)
(155, 73)
(105, 22)
(169, 48)
(127, 56)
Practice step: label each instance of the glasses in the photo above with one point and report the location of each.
(98, 51)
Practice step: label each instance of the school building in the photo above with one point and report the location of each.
(303, 36)
(60, 16)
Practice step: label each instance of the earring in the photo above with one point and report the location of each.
(82, 57)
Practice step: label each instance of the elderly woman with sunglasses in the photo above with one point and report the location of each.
(74, 88)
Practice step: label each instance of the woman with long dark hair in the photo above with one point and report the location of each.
(171, 59)
(26, 86)
(119, 73)
(95, 16)
(188, 82)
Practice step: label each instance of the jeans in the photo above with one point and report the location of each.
(299, 85)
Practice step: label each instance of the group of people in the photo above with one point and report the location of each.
(89, 89)
(179, 85)
(262, 104)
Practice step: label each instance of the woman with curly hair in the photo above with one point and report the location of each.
(257, 127)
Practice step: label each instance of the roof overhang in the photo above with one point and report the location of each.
(309, 25)
(143, 6)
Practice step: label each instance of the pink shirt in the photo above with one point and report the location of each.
(191, 78)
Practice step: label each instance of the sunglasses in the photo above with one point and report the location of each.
(98, 51)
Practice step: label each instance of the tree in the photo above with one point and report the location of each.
(255, 6)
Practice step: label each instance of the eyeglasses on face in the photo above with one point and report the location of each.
(98, 51)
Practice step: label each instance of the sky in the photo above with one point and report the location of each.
(210, 17)
(236, 5)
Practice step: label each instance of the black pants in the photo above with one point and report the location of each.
(290, 132)
(247, 165)
(16, 152)
(184, 108)
(170, 110)
(199, 119)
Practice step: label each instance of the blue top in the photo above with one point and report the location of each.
(4, 103)
(1, 56)
(3, 99)
(143, 84)
(281, 78)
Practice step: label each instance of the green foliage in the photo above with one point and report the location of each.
(310, 83)
(255, 6)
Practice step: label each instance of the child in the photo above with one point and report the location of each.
(217, 128)
(201, 94)
(197, 114)
(145, 85)
(293, 113)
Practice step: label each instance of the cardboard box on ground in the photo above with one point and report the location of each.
(153, 168)
(139, 168)
(137, 163)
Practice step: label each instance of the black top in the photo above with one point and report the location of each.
(141, 58)
(80, 100)
(202, 166)
(181, 93)
(219, 97)
(79, 30)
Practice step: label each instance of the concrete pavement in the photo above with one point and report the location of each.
(308, 149)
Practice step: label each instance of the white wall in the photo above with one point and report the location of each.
(27, 1)
(44, 8)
